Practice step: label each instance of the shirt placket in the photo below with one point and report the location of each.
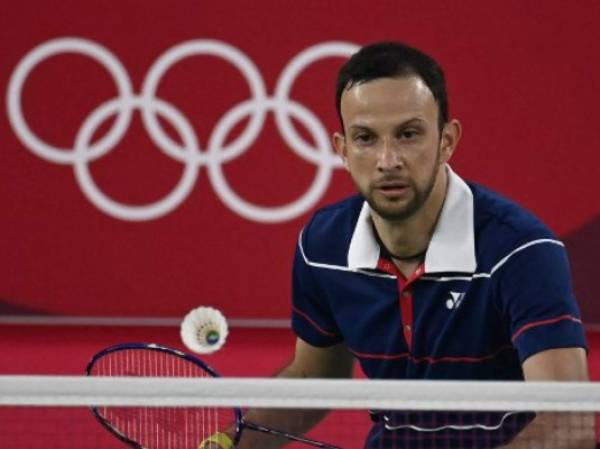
(406, 293)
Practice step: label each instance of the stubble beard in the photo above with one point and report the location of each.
(392, 210)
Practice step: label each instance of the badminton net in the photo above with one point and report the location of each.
(56, 412)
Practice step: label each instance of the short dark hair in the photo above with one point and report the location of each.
(391, 60)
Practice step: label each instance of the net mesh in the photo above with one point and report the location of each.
(178, 413)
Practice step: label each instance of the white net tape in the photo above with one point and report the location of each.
(299, 393)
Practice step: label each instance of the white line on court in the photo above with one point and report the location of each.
(44, 320)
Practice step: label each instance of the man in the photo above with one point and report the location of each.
(426, 276)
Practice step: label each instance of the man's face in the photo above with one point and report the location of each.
(391, 144)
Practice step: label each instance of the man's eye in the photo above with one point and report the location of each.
(363, 138)
(408, 134)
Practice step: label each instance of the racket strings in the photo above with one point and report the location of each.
(159, 427)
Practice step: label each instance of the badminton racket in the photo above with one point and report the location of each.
(168, 427)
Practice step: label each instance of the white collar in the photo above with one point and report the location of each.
(452, 245)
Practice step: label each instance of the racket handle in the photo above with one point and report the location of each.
(218, 440)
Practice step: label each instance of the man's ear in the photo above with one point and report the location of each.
(339, 143)
(450, 136)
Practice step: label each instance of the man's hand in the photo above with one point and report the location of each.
(557, 430)
(218, 440)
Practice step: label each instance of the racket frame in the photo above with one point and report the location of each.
(240, 423)
(159, 348)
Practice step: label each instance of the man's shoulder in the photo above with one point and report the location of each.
(503, 226)
(326, 237)
(495, 210)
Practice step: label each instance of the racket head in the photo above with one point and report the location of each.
(176, 423)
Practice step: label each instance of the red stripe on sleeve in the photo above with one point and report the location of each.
(315, 325)
(526, 327)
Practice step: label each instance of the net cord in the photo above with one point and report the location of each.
(299, 393)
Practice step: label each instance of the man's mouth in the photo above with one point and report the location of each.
(391, 188)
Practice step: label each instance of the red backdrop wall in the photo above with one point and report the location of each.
(523, 79)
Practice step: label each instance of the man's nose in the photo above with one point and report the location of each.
(389, 156)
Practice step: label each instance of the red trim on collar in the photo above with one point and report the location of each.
(390, 267)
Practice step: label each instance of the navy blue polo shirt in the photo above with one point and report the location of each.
(493, 290)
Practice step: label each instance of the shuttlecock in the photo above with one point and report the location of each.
(204, 330)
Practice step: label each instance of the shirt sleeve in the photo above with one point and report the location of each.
(312, 319)
(537, 299)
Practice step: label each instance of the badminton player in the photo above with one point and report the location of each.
(424, 275)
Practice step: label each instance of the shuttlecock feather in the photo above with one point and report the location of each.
(204, 330)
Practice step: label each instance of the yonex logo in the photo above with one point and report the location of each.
(455, 299)
(217, 153)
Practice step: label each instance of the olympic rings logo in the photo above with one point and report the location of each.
(189, 152)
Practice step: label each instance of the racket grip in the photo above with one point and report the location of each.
(218, 440)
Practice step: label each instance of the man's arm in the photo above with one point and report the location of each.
(309, 362)
(564, 430)
(333, 362)
(566, 364)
